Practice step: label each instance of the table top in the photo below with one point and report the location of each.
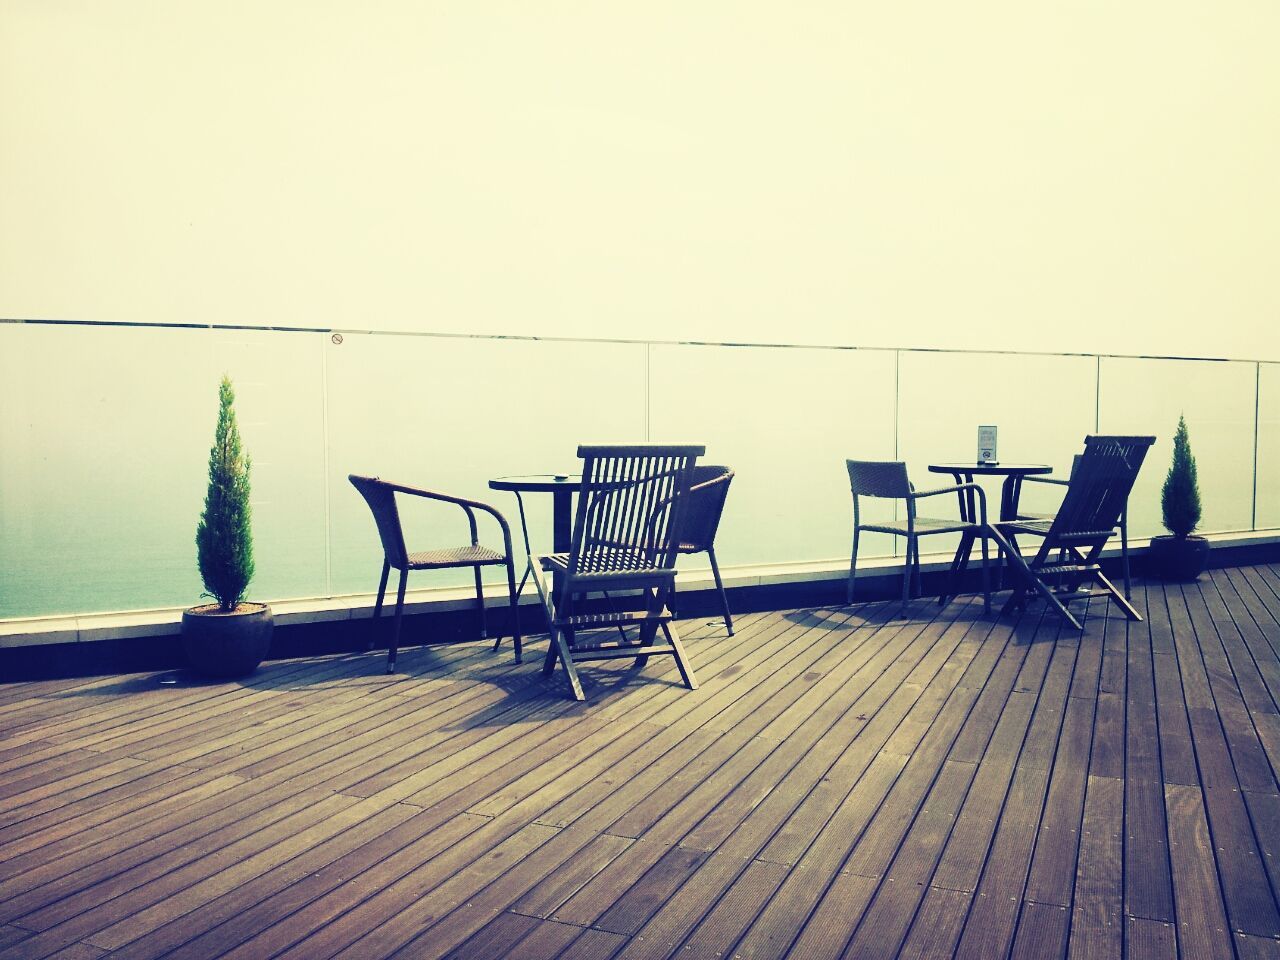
(991, 469)
(538, 483)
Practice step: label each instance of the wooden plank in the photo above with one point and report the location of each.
(937, 925)
(1150, 940)
(1097, 908)
(720, 929)
(1053, 865)
(1042, 932)
(543, 900)
(498, 938)
(1202, 920)
(552, 941)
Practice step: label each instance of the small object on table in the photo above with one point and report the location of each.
(987, 445)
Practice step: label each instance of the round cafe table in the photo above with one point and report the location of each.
(562, 487)
(1009, 491)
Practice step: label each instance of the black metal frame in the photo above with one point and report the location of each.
(380, 496)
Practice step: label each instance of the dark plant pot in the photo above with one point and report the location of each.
(224, 646)
(1178, 558)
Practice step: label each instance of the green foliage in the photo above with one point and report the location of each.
(224, 544)
(1180, 498)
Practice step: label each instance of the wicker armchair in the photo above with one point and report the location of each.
(887, 479)
(702, 520)
(625, 535)
(380, 495)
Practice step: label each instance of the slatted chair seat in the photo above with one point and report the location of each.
(625, 533)
(457, 557)
(1072, 542)
(381, 496)
(616, 560)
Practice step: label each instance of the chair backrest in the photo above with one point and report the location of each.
(381, 498)
(1098, 489)
(879, 478)
(630, 508)
(706, 504)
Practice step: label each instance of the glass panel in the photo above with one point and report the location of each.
(1141, 396)
(1268, 446)
(785, 420)
(1043, 407)
(106, 434)
(449, 414)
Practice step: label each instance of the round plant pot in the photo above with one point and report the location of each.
(1179, 558)
(222, 645)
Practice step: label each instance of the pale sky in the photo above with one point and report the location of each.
(994, 175)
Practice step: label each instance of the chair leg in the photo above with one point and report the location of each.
(562, 647)
(484, 628)
(958, 566)
(1124, 553)
(724, 601)
(906, 571)
(395, 630)
(986, 576)
(1122, 602)
(853, 566)
(515, 610)
(377, 607)
(682, 664)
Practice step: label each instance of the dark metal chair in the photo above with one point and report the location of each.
(1073, 540)
(381, 497)
(626, 533)
(887, 479)
(1122, 526)
(702, 520)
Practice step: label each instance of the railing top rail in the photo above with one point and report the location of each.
(634, 341)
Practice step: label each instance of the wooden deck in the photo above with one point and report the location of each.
(845, 783)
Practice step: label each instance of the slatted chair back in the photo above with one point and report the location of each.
(630, 509)
(381, 498)
(1101, 480)
(705, 506)
(879, 478)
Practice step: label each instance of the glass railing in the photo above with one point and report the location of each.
(105, 432)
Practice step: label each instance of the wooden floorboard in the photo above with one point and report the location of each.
(861, 782)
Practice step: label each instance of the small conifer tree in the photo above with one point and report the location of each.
(224, 544)
(1180, 498)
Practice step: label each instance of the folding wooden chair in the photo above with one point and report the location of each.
(1122, 526)
(625, 536)
(1072, 540)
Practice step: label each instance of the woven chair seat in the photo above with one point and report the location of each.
(923, 526)
(455, 557)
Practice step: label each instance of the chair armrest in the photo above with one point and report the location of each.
(723, 478)
(468, 506)
(958, 488)
(1056, 481)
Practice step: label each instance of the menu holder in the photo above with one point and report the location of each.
(987, 445)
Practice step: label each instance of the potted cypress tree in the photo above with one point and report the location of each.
(1180, 556)
(229, 637)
